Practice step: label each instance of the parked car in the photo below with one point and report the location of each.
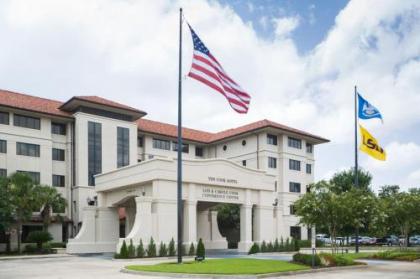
(388, 240)
(415, 240)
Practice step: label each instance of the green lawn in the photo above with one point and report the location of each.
(355, 256)
(222, 266)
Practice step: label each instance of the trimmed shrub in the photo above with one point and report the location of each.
(58, 244)
(151, 248)
(306, 259)
(270, 247)
(201, 250)
(287, 245)
(254, 249)
(131, 250)
(163, 252)
(39, 237)
(171, 248)
(140, 250)
(282, 249)
(263, 247)
(191, 251)
(295, 244)
(276, 246)
(334, 260)
(123, 251)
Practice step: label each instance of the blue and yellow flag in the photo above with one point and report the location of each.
(370, 145)
(367, 110)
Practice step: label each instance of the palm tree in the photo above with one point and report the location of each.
(23, 200)
(50, 200)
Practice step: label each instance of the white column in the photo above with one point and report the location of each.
(263, 223)
(190, 221)
(246, 228)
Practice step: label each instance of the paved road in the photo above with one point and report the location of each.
(106, 268)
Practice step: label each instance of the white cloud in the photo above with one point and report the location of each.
(283, 26)
(127, 51)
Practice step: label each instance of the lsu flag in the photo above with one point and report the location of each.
(370, 145)
(366, 110)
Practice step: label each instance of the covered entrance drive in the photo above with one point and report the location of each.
(148, 193)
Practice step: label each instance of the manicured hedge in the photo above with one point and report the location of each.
(306, 259)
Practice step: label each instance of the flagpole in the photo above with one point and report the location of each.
(356, 160)
(179, 161)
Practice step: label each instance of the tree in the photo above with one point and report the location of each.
(140, 250)
(163, 252)
(201, 250)
(151, 248)
(401, 209)
(6, 210)
(50, 200)
(344, 181)
(322, 207)
(171, 248)
(191, 251)
(24, 200)
(124, 251)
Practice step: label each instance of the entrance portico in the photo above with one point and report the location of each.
(148, 192)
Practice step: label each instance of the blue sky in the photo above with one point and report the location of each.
(315, 17)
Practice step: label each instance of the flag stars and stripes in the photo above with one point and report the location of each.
(206, 69)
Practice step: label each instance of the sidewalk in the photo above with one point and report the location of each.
(27, 257)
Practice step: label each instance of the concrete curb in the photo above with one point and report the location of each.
(221, 276)
(29, 257)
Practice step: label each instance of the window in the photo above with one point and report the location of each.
(309, 148)
(185, 147)
(3, 172)
(272, 162)
(58, 180)
(271, 139)
(308, 188)
(123, 147)
(58, 128)
(295, 143)
(3, 146)
(4, 118)
(161, 144)
(244, 163)
(292, 209)
(199, 151)
(224, 147)
(27, 121)
(308, 168)
(243, 142)
(295, 232)
(94, 151)
(35, 176)
(294, 187)
(139, 141)
(58, 154)
(27, 149)
(294, 164)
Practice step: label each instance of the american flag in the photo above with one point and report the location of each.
(207, 69)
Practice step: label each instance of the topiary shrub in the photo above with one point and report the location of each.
(171, 248)
(140, 250)
(201, 250)
(276, 247)
(254, 249)
(287, 245)
(131, 250)
(282, 249)
(270, 247)
(163, 252)
(263, 247)
(151, 248)
(191, 251)
(306, 259)
(123, 251)
(39, 237)
(295, 244)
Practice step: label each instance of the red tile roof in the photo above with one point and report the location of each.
(31, 103)
(52, 107)
(106, 102)
(170, 130)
